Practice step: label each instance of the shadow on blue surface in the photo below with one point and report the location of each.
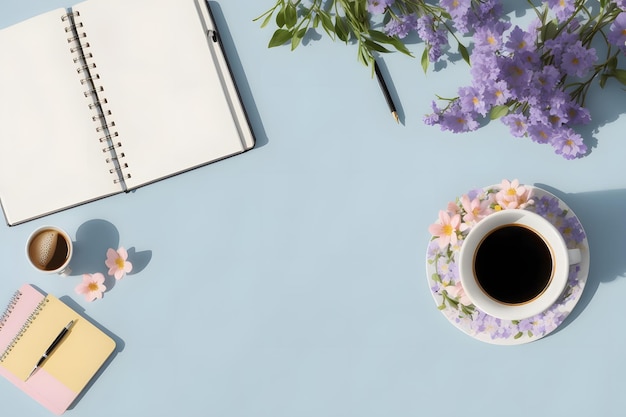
(601, 214)
(239, 75)
(93, 239)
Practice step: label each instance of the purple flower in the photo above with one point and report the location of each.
(517, 74)
(485, 66)
(401, 26)
(572, 231)
(617, 35)
(534, 325)
(488, 12)
(540, 133)
(457, 120)
(472, 100)
(563, 9)
(448, 270)
(546, 79)
(519, 40)
(547, 205)
(435, 117)
(378, 6)
(458, 10)
(559, 45)
(577, 115)
(434, 37)
(517, 123)
(569, 144)
(578, 60)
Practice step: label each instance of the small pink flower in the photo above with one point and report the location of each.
(457, 292)
(446, 228)
(475, 210)
(92, 286)
(117, 262)
(512, 195)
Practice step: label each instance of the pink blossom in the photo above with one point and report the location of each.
(92, 286)
(457, 292)
(117, 262)
(475, 209)
(446, 228)
(512, 195)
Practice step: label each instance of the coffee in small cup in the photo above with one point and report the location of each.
(523, 254)
(514, 264)
(49, 250)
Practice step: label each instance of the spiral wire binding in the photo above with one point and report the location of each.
(86, 69)
(24, 328)
(10, 307)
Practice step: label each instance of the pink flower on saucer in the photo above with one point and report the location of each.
(457, 292)
(446, 228)
(117, 262)
(92, 286)
(512, 195)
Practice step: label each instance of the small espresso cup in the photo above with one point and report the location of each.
(49, 250)
(514, 264)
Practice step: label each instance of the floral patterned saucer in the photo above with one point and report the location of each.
(442, 273)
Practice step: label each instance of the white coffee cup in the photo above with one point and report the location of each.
(514, 264)
(49, 250)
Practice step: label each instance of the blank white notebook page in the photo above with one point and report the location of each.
(51, 157)
(161, 84)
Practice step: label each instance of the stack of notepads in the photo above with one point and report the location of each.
(30, 323)
(109, 96)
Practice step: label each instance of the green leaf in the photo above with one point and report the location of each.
(280, 37)
(425, 60)
(297, 38)
(611, 64)
(379, 36)
(400, 46)
(498, 111)
(280, 18)
(290, 15)
(327, 23)
(266, 20)
(603, 79)
(518, 335)
(549, 30)
(340, 29)
(373, 46)
(464, 53)
(620, 74)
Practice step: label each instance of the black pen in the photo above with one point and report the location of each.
(383, 86)
(52, 346)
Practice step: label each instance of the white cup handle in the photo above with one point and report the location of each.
(65, 272)
(574, 256)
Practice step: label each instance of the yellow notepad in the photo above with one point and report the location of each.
(33, 324)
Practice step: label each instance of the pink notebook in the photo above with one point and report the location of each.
(27, 327)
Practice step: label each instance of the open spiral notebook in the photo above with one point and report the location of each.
(108, 96)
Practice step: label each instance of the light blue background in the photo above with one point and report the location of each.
(290, 281)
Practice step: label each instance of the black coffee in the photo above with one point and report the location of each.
(513, 264)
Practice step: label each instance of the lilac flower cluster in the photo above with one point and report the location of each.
(509, 71)
(433, 23)
(533, 81)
